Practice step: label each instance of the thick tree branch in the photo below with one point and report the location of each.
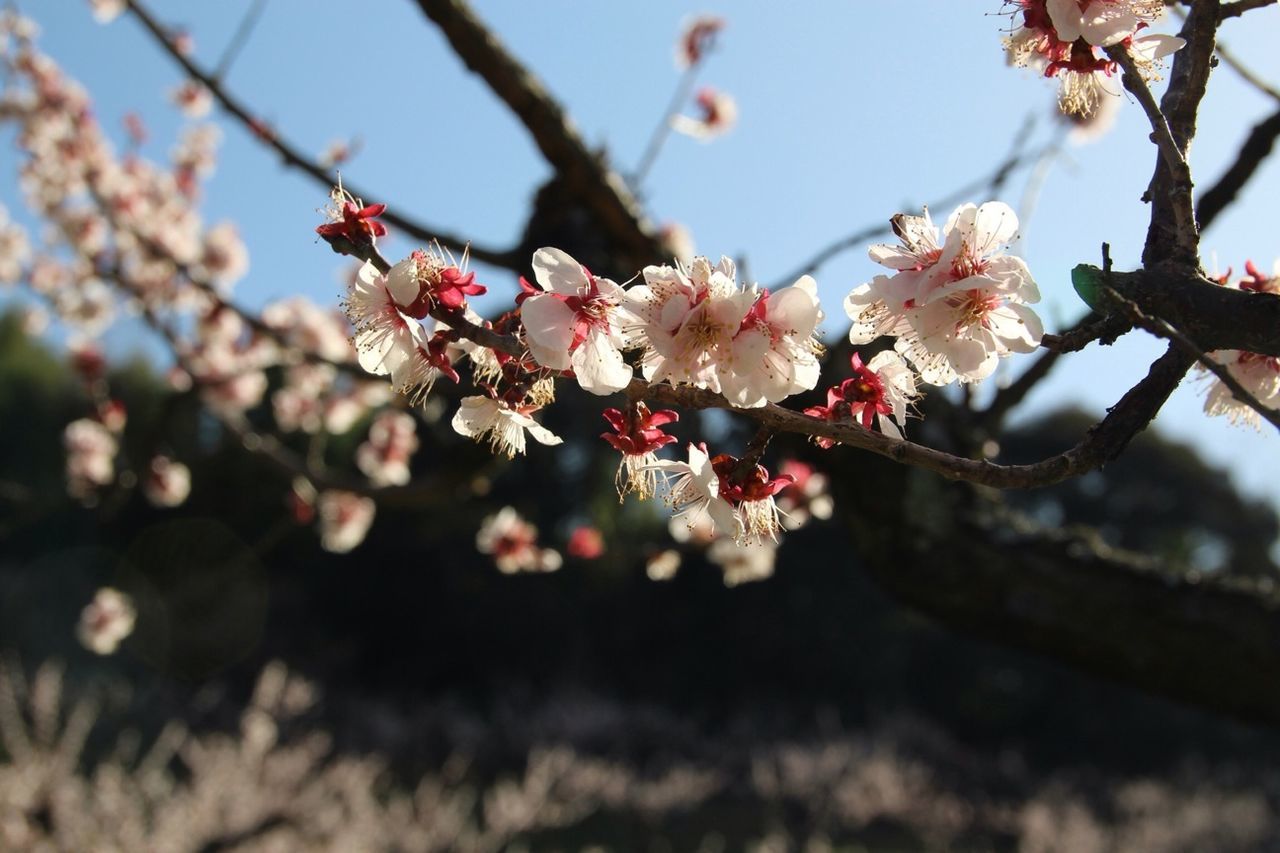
(602, 190)
(1067, 595)
(1213, 316)
(294, 158)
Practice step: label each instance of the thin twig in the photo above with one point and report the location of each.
(294, 158)
(663, 129)
(1239, 7)
(1256, 148)
(239, 40)
(859, 238)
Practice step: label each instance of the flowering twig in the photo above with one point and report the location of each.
(294, 158)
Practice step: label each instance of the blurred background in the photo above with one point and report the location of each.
(427, 700)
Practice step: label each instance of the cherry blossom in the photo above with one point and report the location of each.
(750, 491)
(685, 320)
(693, 491)
(955, 308)
(1062, 38)
(91, 452)
(193, 98)
(513, 542)
(351, 221)
(663, 565)
(575, 323)
(384, 457)
(106, 621)
(806, 497)
(879, 392)
(386, 339)
(775, 351)
(744, 563)
(697, 37)
(501, 424)
(167, 483)
(344, 519)
(427, 279)
(637, 435)
(718, 113)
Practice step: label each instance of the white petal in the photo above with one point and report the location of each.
(548, 323)
(557, 271)
(599, 366)
(475, 416)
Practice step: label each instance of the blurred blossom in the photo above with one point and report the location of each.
(91, 452)
(586, 543)
(167, 483)
(345, 518)
(513, 543)
(717, 114)
(663, 565)
(697, 37)
(805, 498)
(193, 99)
(106, 11)
(106, 621)
(743, 563)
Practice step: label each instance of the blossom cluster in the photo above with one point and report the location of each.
(1065, 39)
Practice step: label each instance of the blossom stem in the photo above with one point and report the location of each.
(662, 131)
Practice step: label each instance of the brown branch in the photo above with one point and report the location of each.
(1246, 73)
(1178, 197)
(602, 190)
(1091, 328)
(1256, 148)
(1170, 191)
(1067, 595)
(1103, 443)
(1214, 316)
(294, 158)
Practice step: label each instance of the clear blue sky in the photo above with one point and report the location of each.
(849, 112)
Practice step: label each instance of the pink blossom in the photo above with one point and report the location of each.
(513, 543)
(575, 323)
(697, 37)
(344, 518)
(718, 113)
(637, 435)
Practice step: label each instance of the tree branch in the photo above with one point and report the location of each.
(294, 158)
(1214, 316)
(1239, 7)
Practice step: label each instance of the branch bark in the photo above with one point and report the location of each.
(295, 159)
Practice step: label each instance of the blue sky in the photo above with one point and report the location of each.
(849, 112)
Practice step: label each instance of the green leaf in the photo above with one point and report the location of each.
(1088, 282)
